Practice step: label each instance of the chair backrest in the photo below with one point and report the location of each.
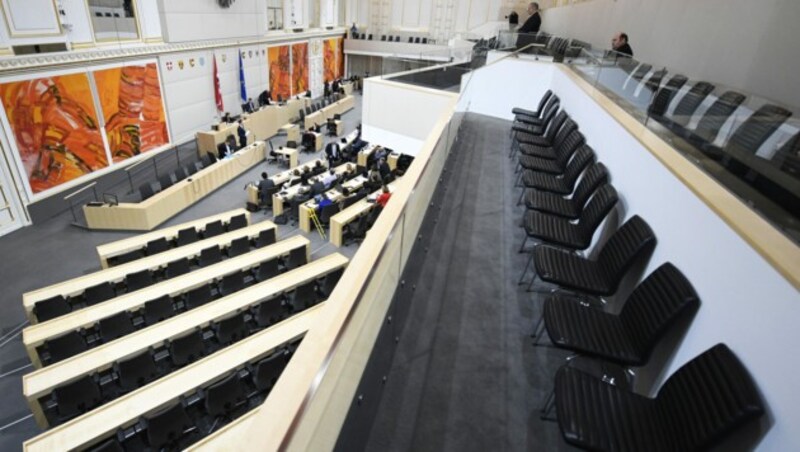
(231, 283)
(304, 296)
(594, 177)
(655, 305)
(641, 71)
(138, 280)
(665, 95)
(546, 97)
(239, 246)
(297, 257)
(213, 228)
(330, 281)
(187, 236)
(187, 348)
(51, 308)
(159, 309)
(265, 238)
(599, 206)
(268, 370)
(231, 328)
(717, 114)
(267, 270)
(136, 371)
(550, 109)
(327, 212)
(156, 246)
(65, 346)
(424, 40)
(749, 136)
(568, 147)
(190, 169)
(146, 191)
(166, 181)
(223, 396)
(556, 125)
(569, 127)
(237, 222)
(96, 294)
(177, 268)
(116, 326)
(180, 174)
(654, 82)
(634, 240)
(77, 397)
(198, 296)
(167, 426)
(209, 256)
(709, 398)
(788, 156)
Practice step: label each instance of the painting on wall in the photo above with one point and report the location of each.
(279, 72)
(330, 61)
(55, 127)
(130, 97)
(299, 68)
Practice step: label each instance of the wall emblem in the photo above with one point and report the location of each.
(169, 65)
(180, 64)
(191, 62)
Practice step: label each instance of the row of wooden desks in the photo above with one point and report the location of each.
(281, 178)
(304, 218)
(321, 116)
(147, 214)
(351, 214)
(279, 199)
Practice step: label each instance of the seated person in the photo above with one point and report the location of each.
(309, 141)
(379, 153)
(318, 168)
(293, 179)
(263, 98)
(322, 202)
(242, 132)
(308, 94)
(330, 178)
(227, 147)
(226, 117)
(383, 168)
(249, 106)
(383, 198)
(305, 176)
(349, 172)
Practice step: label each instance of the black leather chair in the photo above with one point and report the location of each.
(627, 338)
(124, 258)
(166, 181)
(156, 246)
(329, 282)
(187, 236)
(166, 427)
(239, 246)
(231, 329)
(538, 128)
(148, 189)
(159, 309)
(268, 312)
(664, 96)
(267, 371)
(213, 228)
(136, 371)
(209, 256)
(267, 270)
(116, 326)
(563, 233)
(77, 397)
(65, 346)
(701, 404)
(327, 212)
(713, 119)
(223, 397)
(563, 153)
(139, 280)
(197, 296)
(51, 308)
(688, 105)
(532, 116)
(303, 297)
(265, 238)
(565, 183)
(186, 348)
(231, 283)
(180, 174)
(297, 258)
(177, 268)
(99, 293)
(237, 222)
(524, 141)
(571, 208)
(547, 147)
(753, 132)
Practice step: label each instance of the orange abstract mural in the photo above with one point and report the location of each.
(55, 128)
(329, 60)
(299, 68)
(130, 97)
(279, 72)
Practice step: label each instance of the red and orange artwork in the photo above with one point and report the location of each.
(340, 58)
(329, 61)
(299, 68)
(55, 128)
(279, 72)
(130, 97)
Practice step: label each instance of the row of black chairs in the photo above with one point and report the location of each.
(320, 104)
(126, 375)
(390, 38)
(184, 237)
(167, 180)
(206, 410)
(59, 305)
(161, 308)
(564, 218)
(356, 231)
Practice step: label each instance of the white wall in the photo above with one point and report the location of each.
(149, 20)
(188, 92)
(747, 45)
(745, 302)
(401, 116)
(200, 20)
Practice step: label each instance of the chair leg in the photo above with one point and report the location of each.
(525, 270)
(536, 327)
(547, 408)
(522, 247)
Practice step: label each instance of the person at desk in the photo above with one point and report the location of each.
(293, 179)
(263, 185)
(620, 45)
(305, 176)
(330, 178)
(227, 148)
(242, 132)
(383, 198)
(263, 98)
(226, 117)
(335, 86)
(249, 106)
(383, 168)
(379, 154)
(373, 178)
(332, 153)
(322, 202)
(318, 168)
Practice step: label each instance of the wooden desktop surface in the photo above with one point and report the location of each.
(148, 214)
(279, 199)
(43, 381)
(117, 273)
(111, 249)
(105, 420)
(304, 218)
(351, 213)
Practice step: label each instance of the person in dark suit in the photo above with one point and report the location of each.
(263, 185)
(335, 86)
(530, 27)
(620, 45)
(249, 106)
(263, 98)
(385, 171)
(242, 132)
(332, 152)
(226, 148)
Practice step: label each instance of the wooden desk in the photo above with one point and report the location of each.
(363, 155)
(98, 424)
(35, 335)
(348, 88)
(146, 215)
(351, 214)
(339, 127)
(123, 246)
(291, 154)
(318, 141)
(282, 177)
(292, 132)
(320, 117)
(278, 199)
(207, 141)
(304, 219)
(42, 382)
(118, 273)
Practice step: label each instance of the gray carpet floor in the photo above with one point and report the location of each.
(54, 251)
(465, 375)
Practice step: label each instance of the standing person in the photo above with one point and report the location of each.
(530, 27)
(620, 44)
(242, 132)
(332, 152)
